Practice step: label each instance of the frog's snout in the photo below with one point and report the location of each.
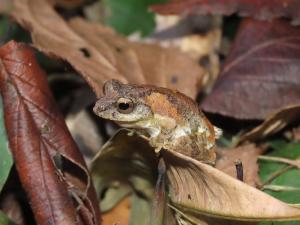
(98, 108)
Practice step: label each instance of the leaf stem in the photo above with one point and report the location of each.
(294, 163)
(279, 188)
(274, 175)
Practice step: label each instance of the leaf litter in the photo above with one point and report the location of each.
(247, 155)
(260, 75)
(38, 139)
(261, 10)
(106, 55)
(99, 54)
(229, 199)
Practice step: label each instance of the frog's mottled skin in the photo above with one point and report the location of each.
(170, 119)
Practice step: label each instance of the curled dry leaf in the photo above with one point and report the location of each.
(205, 220)
(125, 161)
(196, 189)
(248, 155)
(50, 166)
(263, 10)
(261, 73)
(273, 123)
(99, 54)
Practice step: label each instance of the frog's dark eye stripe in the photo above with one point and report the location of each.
(125, 105)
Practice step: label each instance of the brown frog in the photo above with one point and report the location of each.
(167, 118)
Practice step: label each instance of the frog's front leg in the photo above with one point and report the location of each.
(156, 144)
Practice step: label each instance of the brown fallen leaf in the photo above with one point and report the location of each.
(263, 10)
(129, 161)
(205, 220)
(99, 54)
(197, 192)
(133, 155)
(119, 214)
(261, 73)
(273, 123)
(50, 166)
(85, 133)
(179, 31)
(197, 189)
(5, 7)
(248, 155)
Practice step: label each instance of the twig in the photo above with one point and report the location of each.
(294, 163)
(280, 188)
(274, 175)
(239, 170)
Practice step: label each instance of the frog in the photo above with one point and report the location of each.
(167, 118)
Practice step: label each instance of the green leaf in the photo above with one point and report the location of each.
(289, 178)
(4, 23)
(4, 220)
(128, 16)
(6, 160)
(285, 149)
(11, 31)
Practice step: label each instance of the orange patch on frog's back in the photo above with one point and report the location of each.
(211, 138)
(161, 105)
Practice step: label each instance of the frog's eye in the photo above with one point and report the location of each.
(125, 105)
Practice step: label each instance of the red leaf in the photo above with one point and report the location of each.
(258, 9)
(261, 73)
(38, 137)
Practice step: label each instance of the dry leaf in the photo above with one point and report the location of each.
(85, 132)
(248, 155)
(261, 73)
(188, 219)
(5, 6)
(203, 46)
(99, 54)
(127, 160)
(196, 189)
(118, 215)
(273, 123)
(50, 166)
(263, 10)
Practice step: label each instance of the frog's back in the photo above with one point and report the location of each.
(166, 102)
